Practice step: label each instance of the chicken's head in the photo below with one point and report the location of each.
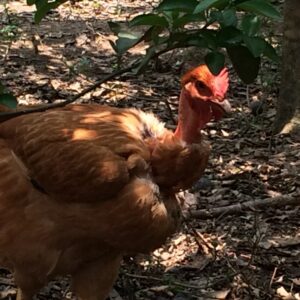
(206, 89)
(202, 100)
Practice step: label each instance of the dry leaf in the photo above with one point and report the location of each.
(219, 294)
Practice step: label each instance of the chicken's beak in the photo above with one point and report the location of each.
(225, 105)
(221, 102)
(219, 107)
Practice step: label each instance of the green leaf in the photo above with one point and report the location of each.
(126, 41)
(205, 4)
(149, 19)
(226, 18)
(8, 100)
(261, 7)
(256, 45)
(113, 45)
(229, 18)
(114, 27)
(198, 41)
(215, 16)
(271, 53)
(178, 38)
(245, 64)
(215, 62)
(210, 38)
(251, 25)
(30, 2)
(2, 88)
(146, 59)
(221, 4)
(229, 36)
(179, 5)
(186, 19)
(154, 36)
(43, 8)
(171, 15)
(40, 3)
(151, 35)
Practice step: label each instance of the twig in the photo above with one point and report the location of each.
(247, 95)
(257, 237)
(198, 236)
(272, 278)
(244, 277)
(271, 145)
(246, 206)
(8, 115)
(7, 51)
(177, 283)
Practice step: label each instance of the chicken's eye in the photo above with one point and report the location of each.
(200, 85)
(203, 89)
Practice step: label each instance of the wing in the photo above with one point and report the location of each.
(79, 153)
(82, 154)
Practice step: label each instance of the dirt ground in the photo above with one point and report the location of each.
(250, 254)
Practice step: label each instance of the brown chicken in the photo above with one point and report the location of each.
(81, 186)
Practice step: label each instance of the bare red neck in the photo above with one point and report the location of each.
(187, 127)
(191, 119)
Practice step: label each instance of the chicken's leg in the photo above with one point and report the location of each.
(23, 296)
(95, 280)
(28, 285)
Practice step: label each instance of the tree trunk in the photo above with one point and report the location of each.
(288, 106)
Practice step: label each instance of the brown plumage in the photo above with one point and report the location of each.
(81, 186)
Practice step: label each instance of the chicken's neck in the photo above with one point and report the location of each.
(190, 120)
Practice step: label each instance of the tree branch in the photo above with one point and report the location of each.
(246, 206)
(4, 116)
(12, 114)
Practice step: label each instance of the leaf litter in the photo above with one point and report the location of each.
(250, 255)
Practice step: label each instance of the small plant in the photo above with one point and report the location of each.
(10, 29)
(6, 98)
(43, 7)
(217, 25)
(9, 32)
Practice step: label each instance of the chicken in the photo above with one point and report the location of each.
(81, 186)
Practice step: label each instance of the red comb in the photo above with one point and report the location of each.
(221, 83)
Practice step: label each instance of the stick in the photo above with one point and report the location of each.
(12, 114)
(177, 283)
(246, 206)
(4, 116)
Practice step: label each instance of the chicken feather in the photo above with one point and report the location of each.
(82, 185)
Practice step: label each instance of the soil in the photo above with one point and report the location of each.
(251, 255)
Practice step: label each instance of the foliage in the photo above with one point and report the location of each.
(6, 98)
(233, 25)
(43, 7)
(10, 28)
(8, 32)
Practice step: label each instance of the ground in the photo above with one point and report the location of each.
(252, 254)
